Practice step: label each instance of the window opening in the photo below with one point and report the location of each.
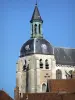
(32, 28)
(43, 87)
(24, 67)
(41, 63)
(58, 74)
(46, 64)
(35, 28)
(39, 28)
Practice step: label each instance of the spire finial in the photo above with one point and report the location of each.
(36, 3)
(36, 15)
(36, 23)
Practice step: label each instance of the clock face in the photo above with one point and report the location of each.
(27, 47)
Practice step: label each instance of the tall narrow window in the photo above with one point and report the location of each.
(46, 64)
(58, 74)
(32, 28)
(47, 89)
(39, 28)
(35, 27)
(24, 67)
(41, 63)
(44, 87)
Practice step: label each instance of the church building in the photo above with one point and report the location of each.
(40, 61)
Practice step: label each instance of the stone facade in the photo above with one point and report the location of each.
(36, 75)
(31, 80)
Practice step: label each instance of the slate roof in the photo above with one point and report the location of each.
(36, 15)
(64, 56)
(36, 46)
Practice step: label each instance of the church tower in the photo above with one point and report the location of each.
(36, 63)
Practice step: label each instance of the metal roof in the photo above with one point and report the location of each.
(36, 46)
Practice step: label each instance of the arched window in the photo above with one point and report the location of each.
(58, 74)
(41, 63)
(44, 87)
(35, 28)
(46, 64)
(39, 28)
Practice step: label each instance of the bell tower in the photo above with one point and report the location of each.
(36, 63)
(36, 24)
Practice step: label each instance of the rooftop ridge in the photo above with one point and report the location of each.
(64, 47)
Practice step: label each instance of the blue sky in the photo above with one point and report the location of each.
(58, 29)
